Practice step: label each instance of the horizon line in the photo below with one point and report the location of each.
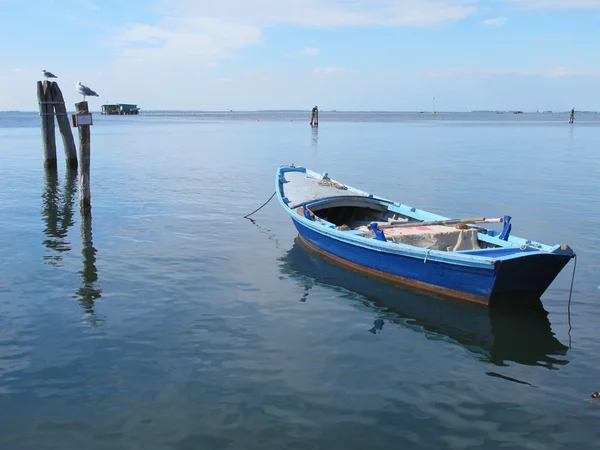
(340, 111)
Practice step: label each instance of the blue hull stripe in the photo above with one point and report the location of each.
(464, 282)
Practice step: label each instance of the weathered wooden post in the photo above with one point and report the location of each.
(63, 125)
(572, 116)
(82, 119)
(47, 121)
(52, 103)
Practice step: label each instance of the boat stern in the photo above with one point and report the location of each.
(530, 274)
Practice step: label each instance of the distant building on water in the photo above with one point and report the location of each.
(120, 109)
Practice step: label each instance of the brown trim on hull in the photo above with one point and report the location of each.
(396, 278)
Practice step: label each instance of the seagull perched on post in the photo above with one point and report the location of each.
(48, 74)
(84, 90)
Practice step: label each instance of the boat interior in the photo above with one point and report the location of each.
(355, 214)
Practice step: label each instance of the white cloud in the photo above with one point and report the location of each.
(184, 37)
(441, 73)
(327, 13)
(215, 29)
(554, 72)
(19, 70)
(556, 4)
(308, 51)
(552, 36)
(497, 22)
(211, 30)
(328, 70)
(547, 72)
(90, 5)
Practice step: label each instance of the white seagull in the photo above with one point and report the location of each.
(84, 90)
(48, 74)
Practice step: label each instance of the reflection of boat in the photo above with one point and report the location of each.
(496, 334)
(410, 246)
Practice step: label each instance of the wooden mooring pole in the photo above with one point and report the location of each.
(572, 115)
(51, 103)
(47, 121)
(314, 117)
(82, 120)
(63, 126)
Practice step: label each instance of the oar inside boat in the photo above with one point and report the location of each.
(396, 224)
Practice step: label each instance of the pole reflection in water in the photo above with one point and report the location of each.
(314, 139)
(88, 293)
(57, 214)
(495, 335)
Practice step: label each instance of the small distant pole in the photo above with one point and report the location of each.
(47, 121)
(572, 115)
(314, 117)
(82, 119)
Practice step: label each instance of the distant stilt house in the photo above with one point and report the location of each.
(120, 109)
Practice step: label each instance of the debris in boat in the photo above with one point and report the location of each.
(326, 181)
(343, 228)
(436, 237)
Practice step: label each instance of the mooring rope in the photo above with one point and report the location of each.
(570, 293)
(331, 183)
(264, 204)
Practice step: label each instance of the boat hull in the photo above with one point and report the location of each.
(523, 277)
(505, 270)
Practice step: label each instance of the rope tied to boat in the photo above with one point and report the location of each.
(570, 293)
(426, 255)
(529, 245)
(326, 181)
(262, 206)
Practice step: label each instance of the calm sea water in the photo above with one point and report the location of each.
(169, 321)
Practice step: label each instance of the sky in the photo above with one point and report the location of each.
(367, 55)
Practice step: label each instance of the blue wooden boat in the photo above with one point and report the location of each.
(400, 243)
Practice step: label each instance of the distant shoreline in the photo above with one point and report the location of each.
(307, 111)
